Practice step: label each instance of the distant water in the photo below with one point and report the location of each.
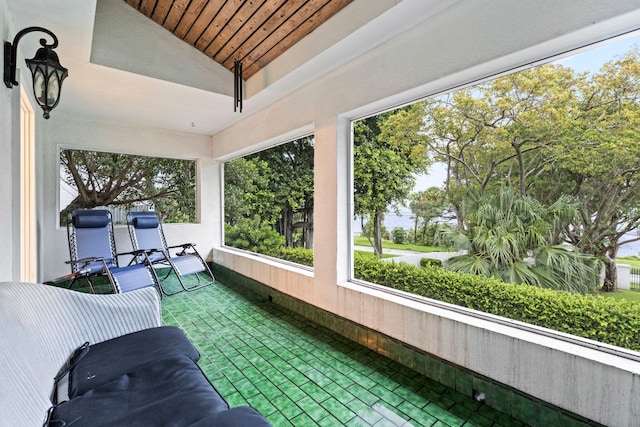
(404, 220)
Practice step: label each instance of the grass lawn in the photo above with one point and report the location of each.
(633, 261)
(630, 296)
(363, 241)
(372, 255)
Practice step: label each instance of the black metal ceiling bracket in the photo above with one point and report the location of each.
(237, 86)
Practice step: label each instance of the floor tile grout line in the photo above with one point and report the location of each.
(242, 325)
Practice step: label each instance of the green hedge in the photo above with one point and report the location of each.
(602, 319)
(431, 262)
(590, 316)
(297, 255)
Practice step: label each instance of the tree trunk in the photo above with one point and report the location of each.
(377, 234)
(287, 227)
(457, 211)
(308, 241)
(610, 275)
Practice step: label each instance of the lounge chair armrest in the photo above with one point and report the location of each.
(82, 271)
(141, 252)
(134, 253)
(64, 278)
(150, 251)
(183, 246)
(84, 260)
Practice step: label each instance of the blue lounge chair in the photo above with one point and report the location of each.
(147, 235)
(93, 253)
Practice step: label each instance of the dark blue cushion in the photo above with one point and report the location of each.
(242, 416)
(110, 359)
(91, 220)
(151, 222)
(167, 392)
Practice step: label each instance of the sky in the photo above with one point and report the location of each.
(590, 60)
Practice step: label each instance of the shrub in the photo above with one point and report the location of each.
(298, 255)
(430, 262)
(589, 316)
(399, 235)
(253, 235)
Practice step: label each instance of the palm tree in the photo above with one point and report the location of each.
(517, 239)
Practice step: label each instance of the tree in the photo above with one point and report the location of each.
(291, 182)
(114, 179)
(509, 236)
(426, 205)
(388, 152)
(496, 133)
(253, 234)
(271, 192)
(247, 193)
(549, 132)
(600, 160)
(250, 208)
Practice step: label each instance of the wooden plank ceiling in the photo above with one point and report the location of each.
(253, 31)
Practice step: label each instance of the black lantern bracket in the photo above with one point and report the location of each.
(45, 68)
(237, 85)
(11, 53)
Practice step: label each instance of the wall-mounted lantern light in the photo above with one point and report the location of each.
(45, 68)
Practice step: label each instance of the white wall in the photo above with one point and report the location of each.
(84, 133)
(10, 166)
(472, 40)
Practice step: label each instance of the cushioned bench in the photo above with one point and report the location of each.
(132, 372)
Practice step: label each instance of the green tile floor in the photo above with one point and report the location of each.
(297, 373)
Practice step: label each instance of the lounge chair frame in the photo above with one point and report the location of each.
(147, 234)
(98, 225)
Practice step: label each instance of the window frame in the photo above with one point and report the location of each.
(198, 177)
(304, 132)
(462, 80)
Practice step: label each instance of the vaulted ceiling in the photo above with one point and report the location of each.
(127, 67)
(253, 31)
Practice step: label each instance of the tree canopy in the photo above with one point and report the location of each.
(549, 132)
(269, 198)
(115, 179)
(388, 152)
(510, 236)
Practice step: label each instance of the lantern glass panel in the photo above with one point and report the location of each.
(39, 86)
(53, 89)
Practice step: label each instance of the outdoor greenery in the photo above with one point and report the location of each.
(269, 199)
(431, 262)
(115, 179)
(630, 296)
(589, 316)
(515, 238)
(549, 134)
(387, 153)
(427, 207)
(387, 244)
(633, 261)
(297, 255)
(399, 235)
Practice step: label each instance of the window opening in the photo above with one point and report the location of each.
(516, 196)
(268, 202)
